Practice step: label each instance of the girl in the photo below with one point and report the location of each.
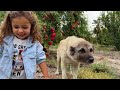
(20, 46)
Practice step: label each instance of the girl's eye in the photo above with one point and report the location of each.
(16, 27)
(24, 27)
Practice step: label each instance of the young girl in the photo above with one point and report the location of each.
(20, 46)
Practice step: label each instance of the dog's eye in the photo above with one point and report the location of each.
(82, 50)
(91, 50)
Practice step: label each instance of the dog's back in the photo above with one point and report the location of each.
(66, 43)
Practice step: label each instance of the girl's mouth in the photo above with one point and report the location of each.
(21, 35)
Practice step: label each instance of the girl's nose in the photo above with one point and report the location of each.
(20, 30)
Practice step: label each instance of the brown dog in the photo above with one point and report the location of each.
(73, 51)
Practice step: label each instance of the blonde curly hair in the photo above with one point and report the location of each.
(6, 27)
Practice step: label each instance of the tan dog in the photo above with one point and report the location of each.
(73, 51)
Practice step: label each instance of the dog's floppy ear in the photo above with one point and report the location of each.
(72, 50)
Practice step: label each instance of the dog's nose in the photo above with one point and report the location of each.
(91, 60)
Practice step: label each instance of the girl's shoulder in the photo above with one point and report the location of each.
(8, 38)
(38, 43)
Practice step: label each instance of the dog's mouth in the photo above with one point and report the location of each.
(88, 61)
(85, 58)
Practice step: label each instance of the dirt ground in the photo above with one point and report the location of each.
(112, 58)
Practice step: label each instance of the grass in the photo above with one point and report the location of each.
(99, 68)
(89, 74)
(97, 71)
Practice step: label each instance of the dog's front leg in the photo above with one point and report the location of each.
(58, 64)
(64, 70)
(75, 71)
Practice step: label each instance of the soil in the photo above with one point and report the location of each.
(112, 58)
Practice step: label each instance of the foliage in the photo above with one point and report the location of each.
(2, 14)
(107, 29)
(50, 22)
(62, 24)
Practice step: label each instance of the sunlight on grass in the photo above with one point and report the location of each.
(87, 73)
(96, 71)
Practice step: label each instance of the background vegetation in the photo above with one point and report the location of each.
(57, 25)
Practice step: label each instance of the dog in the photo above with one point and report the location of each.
(73, 51)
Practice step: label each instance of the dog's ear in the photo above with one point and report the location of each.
(72, 50)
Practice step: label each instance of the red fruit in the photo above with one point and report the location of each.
(53, 34)
(52, 38)
(50, 43)
(47, 54)
(52, 30)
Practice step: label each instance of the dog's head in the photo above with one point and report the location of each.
(82, 51)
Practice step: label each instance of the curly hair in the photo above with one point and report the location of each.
(6, 27)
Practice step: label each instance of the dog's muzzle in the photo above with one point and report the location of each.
(91, 60)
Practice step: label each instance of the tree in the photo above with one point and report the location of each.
(63, 23)
(110, 22)
(2, 14)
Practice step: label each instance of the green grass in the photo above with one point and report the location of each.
(99, 68)
(87, 73)
(97, 71)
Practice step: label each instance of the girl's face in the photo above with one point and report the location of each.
(21, 27)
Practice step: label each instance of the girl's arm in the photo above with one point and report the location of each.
(41, 61)
(1, 50)
(44, 69)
